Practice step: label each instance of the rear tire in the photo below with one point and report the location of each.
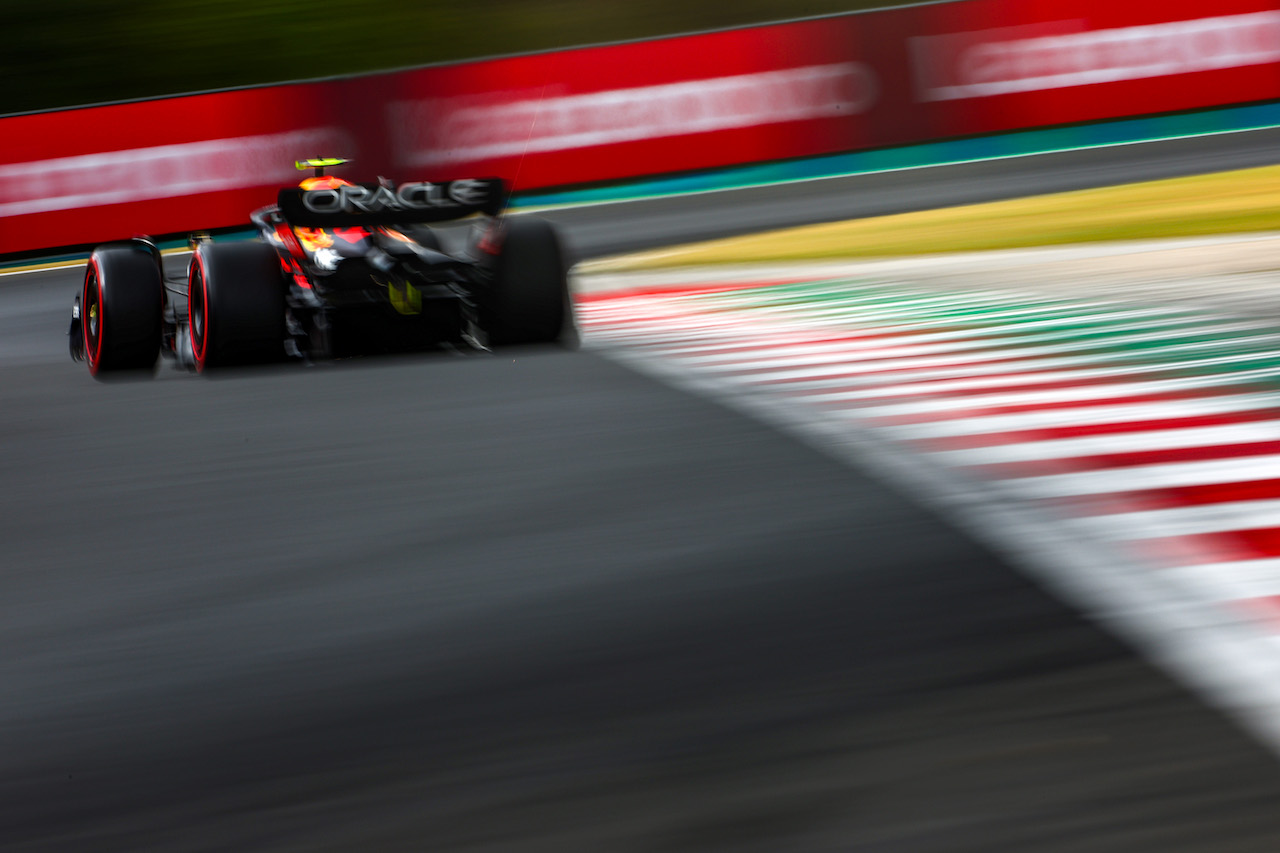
(528, 300)
(235, 305)
(121, 305)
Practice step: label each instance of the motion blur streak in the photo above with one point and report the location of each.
(541, 124)
(930, 368)
(540, 602)
(162, 171)
(986, 63)
(679, 105)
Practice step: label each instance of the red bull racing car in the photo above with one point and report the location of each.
(339, 269)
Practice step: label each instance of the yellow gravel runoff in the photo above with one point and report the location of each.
(1234, 202)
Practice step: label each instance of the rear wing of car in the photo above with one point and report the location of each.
(391, 204)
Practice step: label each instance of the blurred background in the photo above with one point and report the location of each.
(74, 52)
(554, 599)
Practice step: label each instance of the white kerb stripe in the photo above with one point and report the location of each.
(1239, 580)
(1185, 521)
(1124, 442)
(1086, 415)
(1039, 397)
(1168, 475)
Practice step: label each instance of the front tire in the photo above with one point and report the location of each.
(235, 305)
(121, 306)
(528, 299)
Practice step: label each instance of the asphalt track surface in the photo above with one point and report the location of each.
(536, 601)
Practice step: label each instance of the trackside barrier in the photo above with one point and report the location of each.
(607, 113)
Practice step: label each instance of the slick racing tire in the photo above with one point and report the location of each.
(121, 307)
(235, 305)
(528, 299)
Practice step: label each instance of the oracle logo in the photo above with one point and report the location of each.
(1065, 53)
(421, 195)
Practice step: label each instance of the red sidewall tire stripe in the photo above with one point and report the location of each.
(200, 353)
(93, 350)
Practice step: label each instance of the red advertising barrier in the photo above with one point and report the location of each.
(606, 113)
(986, 66)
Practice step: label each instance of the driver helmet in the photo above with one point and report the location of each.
(324, 182)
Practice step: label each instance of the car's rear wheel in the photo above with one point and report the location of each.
(235, 305)
(528, 300)
(120, 310)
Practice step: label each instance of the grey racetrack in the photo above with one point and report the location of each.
(536, 601)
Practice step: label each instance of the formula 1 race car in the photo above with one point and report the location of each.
(339, 269)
